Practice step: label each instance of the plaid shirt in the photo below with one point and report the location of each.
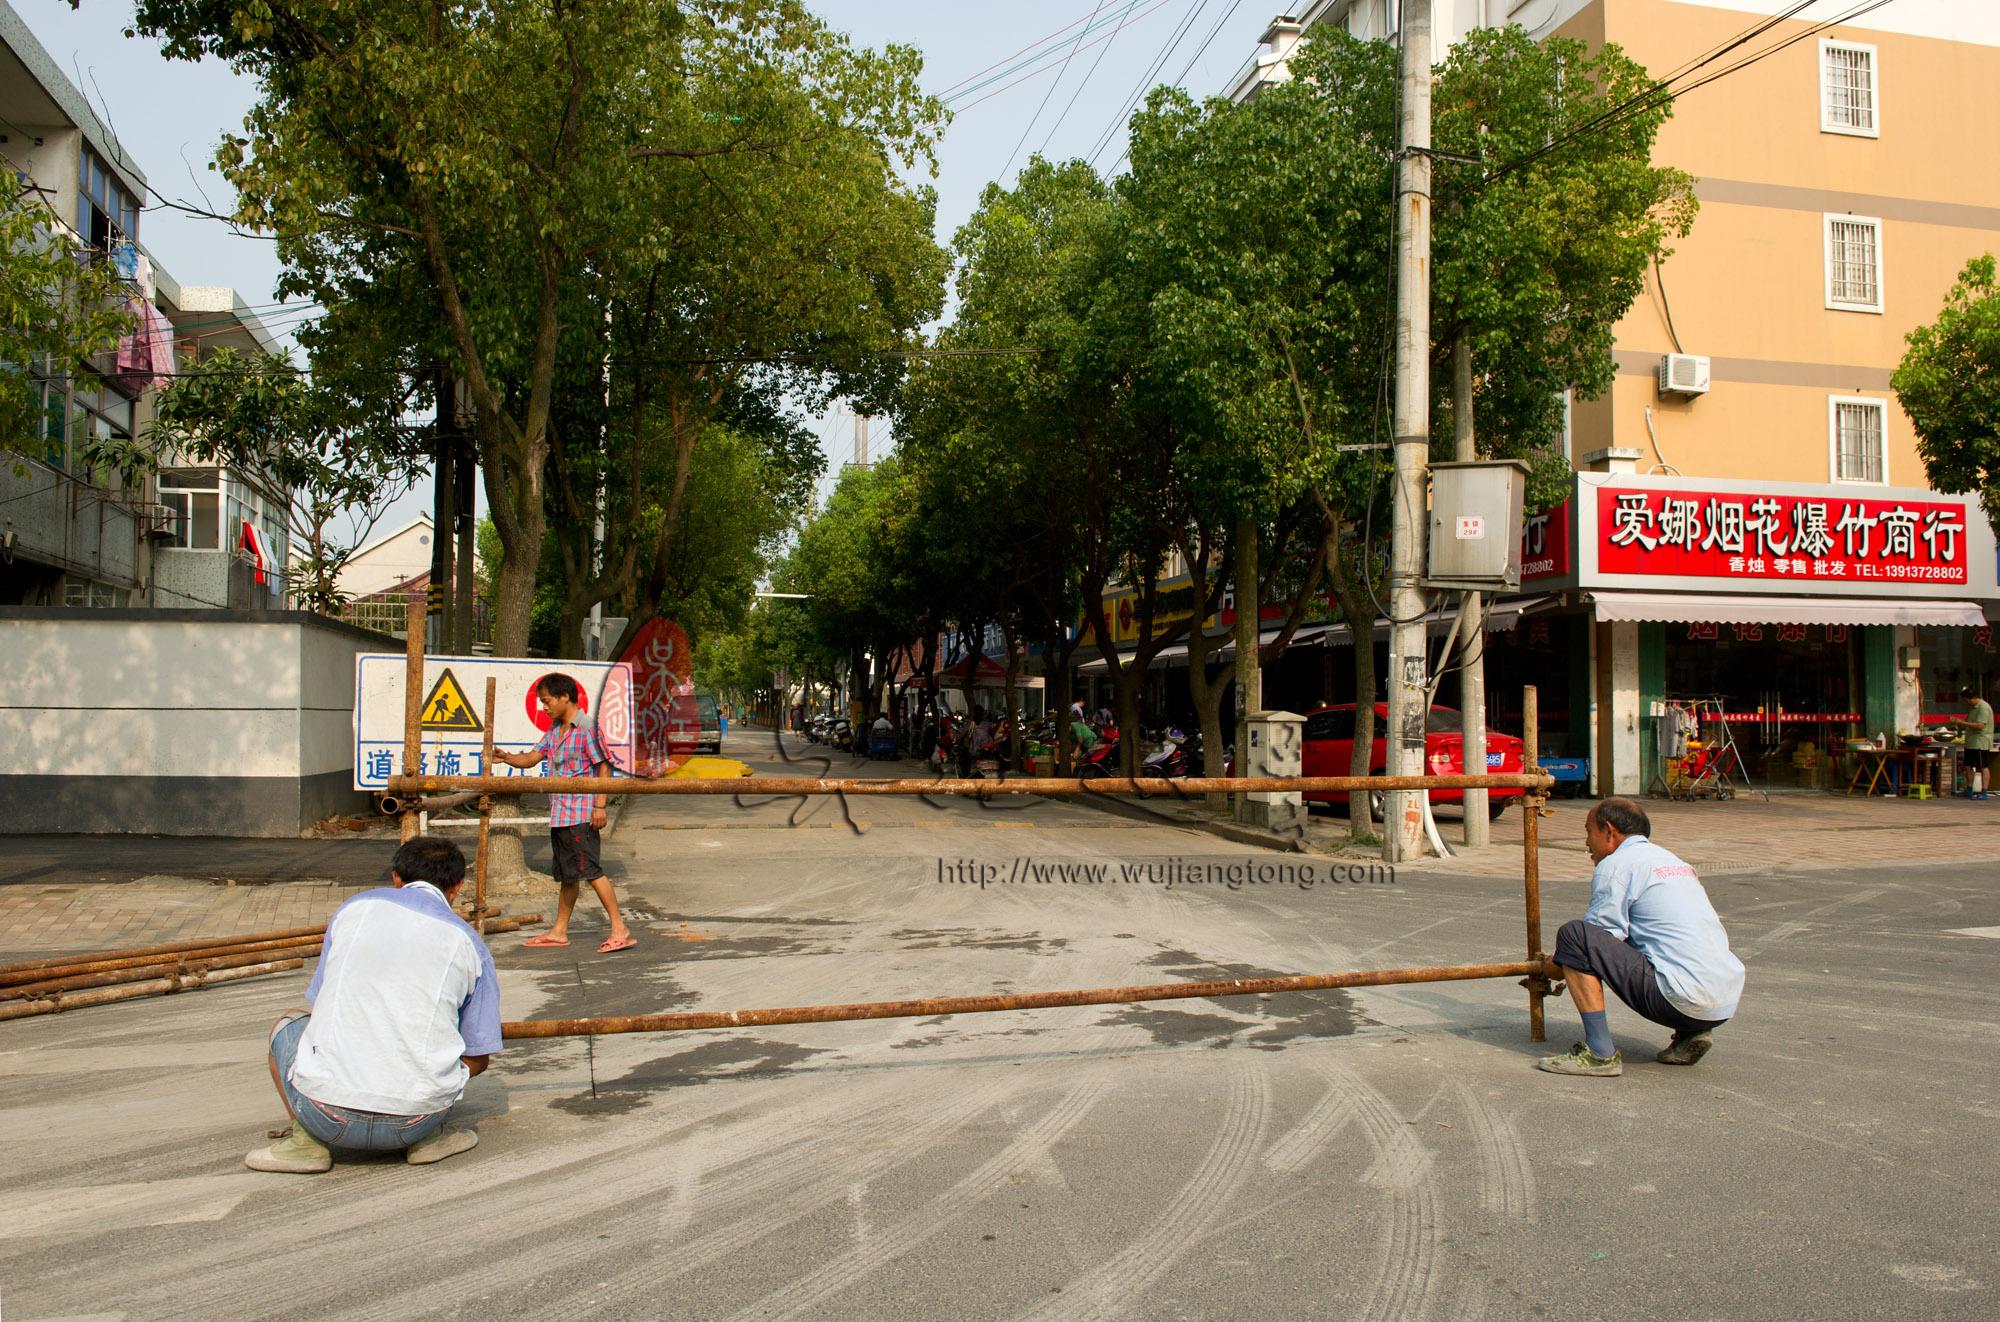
(571, 750)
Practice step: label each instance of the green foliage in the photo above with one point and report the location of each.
(1949, 384)
(337, 456)
(59, 308)
(719, 180)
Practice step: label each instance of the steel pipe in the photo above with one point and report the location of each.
(1164, 991)
(305, 946)
(267, 949)
(170, 948)
(139, 973)
(132, 991)
(785, 786)
(1531, 860)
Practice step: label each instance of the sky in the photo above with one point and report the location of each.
(170, 115)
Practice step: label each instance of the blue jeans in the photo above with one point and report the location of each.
(340, 1126)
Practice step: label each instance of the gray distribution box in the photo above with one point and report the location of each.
(1475, 541)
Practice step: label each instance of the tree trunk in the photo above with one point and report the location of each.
(1013, 697)
(1249, 673)
(1358, 610)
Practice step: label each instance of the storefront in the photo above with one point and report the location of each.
(1800, 615)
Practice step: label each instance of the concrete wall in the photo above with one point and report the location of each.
(176, 722)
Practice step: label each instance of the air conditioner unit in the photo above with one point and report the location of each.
(162, 522)
(1683, 374)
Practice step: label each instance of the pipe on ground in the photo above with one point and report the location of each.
(1165, 991)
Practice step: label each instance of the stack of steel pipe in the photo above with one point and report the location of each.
(68, 982)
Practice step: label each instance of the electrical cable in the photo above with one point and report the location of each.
(1044, 60)
(1030, 126)
(1102, 51)
(1145, 79)
(1663, 93)
(1181, 79)
(1036, 73)
(1039, 41)
(1660, 283)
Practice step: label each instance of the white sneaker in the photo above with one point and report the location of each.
(444, 1143)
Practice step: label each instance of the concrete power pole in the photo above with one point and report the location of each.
(1408, 679)
(1471, 613)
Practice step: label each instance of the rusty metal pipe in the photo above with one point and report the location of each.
(1531, 859)
(479, 852)
(785, 786)
(133, 991)
(305, 946)
(413, 705)
(183, 957)
(170, 948)
(141, 973)
(1165, 991)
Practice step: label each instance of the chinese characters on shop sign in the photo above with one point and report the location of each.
(1780, 537)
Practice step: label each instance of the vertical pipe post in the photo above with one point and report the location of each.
(485, 815)
(1531, 856)
(413, 704)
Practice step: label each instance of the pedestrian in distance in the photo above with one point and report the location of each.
(569, 747)
(1978, 750)
(1652, 936)
(405, 1010)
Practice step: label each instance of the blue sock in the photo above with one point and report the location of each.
(1597, 1034)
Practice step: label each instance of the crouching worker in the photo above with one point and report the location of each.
(405, 1009)
(1652, 936)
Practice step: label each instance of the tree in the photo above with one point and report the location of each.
(530, 158)
(1949, 384)
(340, 459)
(59, 308)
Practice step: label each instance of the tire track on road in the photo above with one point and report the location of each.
(1114, 1285)
(1506, 1180)
(885, 1246)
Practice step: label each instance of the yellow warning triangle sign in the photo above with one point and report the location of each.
(446, 707)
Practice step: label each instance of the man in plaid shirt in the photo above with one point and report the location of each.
(570, 748)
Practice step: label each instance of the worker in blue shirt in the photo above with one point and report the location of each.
(1652, 936)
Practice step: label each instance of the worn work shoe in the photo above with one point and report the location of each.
(297, 1153)
(1686, 1048)
(444, 1143)
(1580, 1061)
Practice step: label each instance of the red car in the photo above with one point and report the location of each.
(1329, 743)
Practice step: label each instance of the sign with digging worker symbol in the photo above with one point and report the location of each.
(447, 708)
(452, 721)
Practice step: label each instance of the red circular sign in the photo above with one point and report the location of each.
(540, 717)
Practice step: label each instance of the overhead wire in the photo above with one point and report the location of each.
(1167, 48)
(1043, 59)
(1180, 79)
(1038, 72)
(1030, 126)
(1102, 51)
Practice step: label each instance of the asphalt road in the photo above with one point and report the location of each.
(1388, 1153)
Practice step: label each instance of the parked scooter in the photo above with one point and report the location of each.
(1171, 761)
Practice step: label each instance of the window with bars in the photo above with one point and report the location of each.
(1847, 101)
(1858, 443)
(106, 213)
(1854, 263)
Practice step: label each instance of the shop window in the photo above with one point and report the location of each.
(1857, 438)
(1847, 89)
(1854, 263)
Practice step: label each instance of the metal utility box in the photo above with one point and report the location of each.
(1475, 541)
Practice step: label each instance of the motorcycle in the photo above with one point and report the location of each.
(1172, 760)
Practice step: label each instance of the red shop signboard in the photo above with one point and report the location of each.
(1767, 538)
(1545, 544)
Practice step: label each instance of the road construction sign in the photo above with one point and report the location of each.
(447, 707)
(455, 696)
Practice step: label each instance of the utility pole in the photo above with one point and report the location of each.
(861, 440)
(1471, 613)
(1408, 679)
